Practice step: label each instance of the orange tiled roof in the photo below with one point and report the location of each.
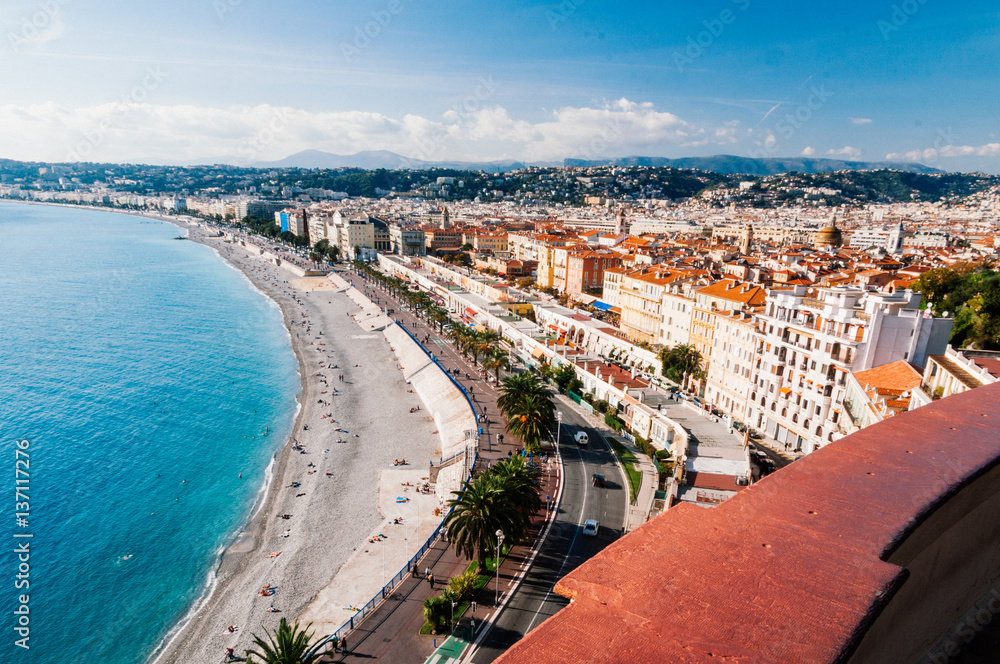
(899, 376)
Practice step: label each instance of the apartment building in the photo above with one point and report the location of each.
(732, 371)
(585, 269)
(811, 342)
(407, 241)
(640, 298)
(956, 371)
(718, 301)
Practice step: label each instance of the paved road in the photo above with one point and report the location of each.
(566, 548)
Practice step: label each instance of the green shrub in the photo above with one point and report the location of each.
(612, 421)
(464, 585)
(601, 406)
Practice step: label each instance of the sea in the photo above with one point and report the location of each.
(145, 386)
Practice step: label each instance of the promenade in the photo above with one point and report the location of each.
(391, 632)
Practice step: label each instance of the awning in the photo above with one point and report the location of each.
(471, 313)
(785, 390)
(537, 353)
(601, 306)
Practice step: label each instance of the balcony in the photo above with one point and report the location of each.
(813, 302)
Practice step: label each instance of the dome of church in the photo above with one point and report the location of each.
(830, 236)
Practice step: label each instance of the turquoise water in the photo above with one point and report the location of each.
(143, 370)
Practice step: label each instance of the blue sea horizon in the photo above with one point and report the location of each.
(144, 372)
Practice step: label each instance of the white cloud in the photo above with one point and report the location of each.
(846, 151)
(930, 154)
(861, 121)
(130, 130)
(808, 151)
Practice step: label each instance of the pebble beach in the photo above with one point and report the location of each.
(356, 418)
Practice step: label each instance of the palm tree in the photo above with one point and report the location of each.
(285, 645)
(479, 510)
(437, 610)
(531, 419)
(481, 342)
(516, 387)
(462, 337)
(683, 360)
(495, 360)
(518, 482)
(440, 316)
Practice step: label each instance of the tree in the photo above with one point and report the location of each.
(437, 610)
(503, 498)
(680, 363)
(525, 283)
(565, 378)
(531, 419)
(478, 512)
(285, 645)
(496, 359)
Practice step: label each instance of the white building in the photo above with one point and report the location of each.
(810, 344)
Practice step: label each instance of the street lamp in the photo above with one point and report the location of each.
(558, 426)
(453, 605)
(499, 542)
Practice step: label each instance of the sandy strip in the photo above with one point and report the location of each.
(340, 480)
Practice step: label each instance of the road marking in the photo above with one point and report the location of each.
(569, 549)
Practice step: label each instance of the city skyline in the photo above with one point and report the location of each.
(230, 80)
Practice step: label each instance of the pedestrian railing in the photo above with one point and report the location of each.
(411, 565)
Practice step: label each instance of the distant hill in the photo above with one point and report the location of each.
(375, 159)
(731, 165)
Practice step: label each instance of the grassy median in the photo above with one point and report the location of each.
(629, 463)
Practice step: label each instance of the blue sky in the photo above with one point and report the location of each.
(254, 80)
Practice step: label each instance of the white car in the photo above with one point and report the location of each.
(590, 528)
(581, 438)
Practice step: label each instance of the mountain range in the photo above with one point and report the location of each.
(725, 164)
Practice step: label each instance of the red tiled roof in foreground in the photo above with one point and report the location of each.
(791, 569)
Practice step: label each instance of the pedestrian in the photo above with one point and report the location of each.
(343, 645)
(430, 579)
(427, 573)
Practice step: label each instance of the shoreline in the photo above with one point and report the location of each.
(248, 536)
(334, 518)
(241, 568)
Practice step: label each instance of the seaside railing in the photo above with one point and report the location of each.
(412, 564)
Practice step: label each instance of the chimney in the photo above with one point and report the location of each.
(611, 380)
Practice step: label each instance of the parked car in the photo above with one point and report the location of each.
(590, 528)
(755, 435)
(599, 480)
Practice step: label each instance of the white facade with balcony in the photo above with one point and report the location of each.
(810, 345)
